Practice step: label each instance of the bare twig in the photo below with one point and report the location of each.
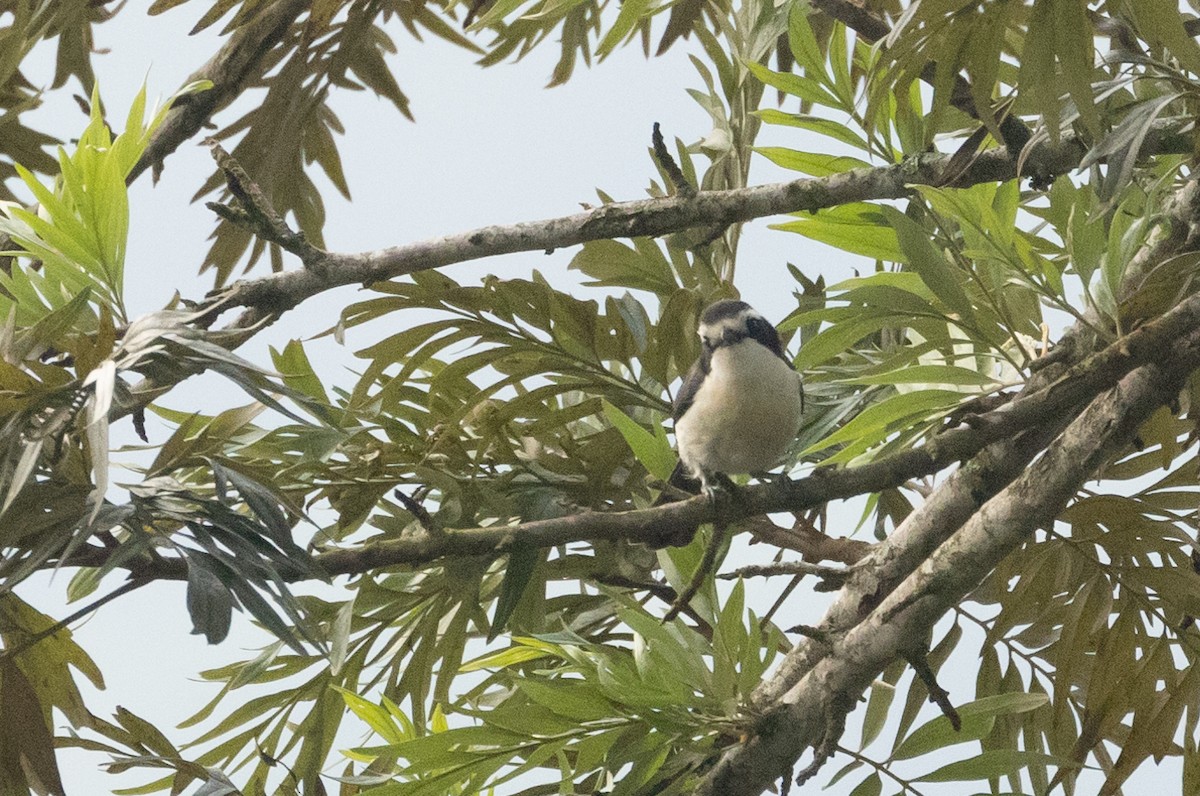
(808, 541)
(703, 570)
(254, 211)
(674, 173)
(918, 659)
(832, 577)
(414, 507)
(661, 591)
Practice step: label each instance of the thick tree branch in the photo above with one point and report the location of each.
(278, 293)
(237, 64)
(1025, 424)
(957, 500)
(850, 661)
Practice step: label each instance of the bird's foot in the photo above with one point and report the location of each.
(723, 494)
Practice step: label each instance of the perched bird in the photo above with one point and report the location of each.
(739, 407)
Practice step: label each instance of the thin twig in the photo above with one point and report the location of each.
(833, 577)
(918, 659)
(415, 508)
(674, 173)
(703, 569)
(880, 768)
(133, 583)
(254, 212)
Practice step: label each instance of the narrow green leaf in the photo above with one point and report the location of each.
(857, 227)
(990, 764)
(803, 43)
(928, 374)
(939, 733)
(503, 658)
(871, 786)
(522, 560)
(802, 87)
(815, 164)
(1160, 20)
(825, 127)
(876, 420)
(652, 450)
(339, 635)
(926, 260)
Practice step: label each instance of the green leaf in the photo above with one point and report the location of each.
(339, 635)
(631, 13)
(27, 738)
(871, 786)
(377, 717)
(990, 764)
(1160, 20)
(937, 274)
(939, 733)
(825, 127)
(813, 163)
(504, 658)
(802, 87)
(297, 372)
(522, 560)
(209, 602)
(570, 699)
(856, 227)
(876, 420)
(803, 43)
(838, 338)
(882, 693)
(1074, 46)
(927, 374)
(653, 450)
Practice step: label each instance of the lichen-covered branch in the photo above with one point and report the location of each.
(850, 660)
(959, 502)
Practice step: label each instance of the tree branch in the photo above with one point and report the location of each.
(957, 501)
(1038, 415)
(851, 660)
(236, 65)
(278, 293)
(961, 494)
(267, 298)
(871, 29)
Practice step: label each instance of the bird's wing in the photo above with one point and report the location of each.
(689, 388)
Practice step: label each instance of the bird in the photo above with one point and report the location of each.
(740, 404)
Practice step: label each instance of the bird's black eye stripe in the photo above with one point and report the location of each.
(762, 331)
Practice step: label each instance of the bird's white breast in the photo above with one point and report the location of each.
(745, 414)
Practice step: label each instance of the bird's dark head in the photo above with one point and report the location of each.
(729, 322)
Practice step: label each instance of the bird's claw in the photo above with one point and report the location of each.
(722, 492)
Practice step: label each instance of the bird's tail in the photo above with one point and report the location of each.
(682, 482)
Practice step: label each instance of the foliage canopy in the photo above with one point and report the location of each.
(1007, 386)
